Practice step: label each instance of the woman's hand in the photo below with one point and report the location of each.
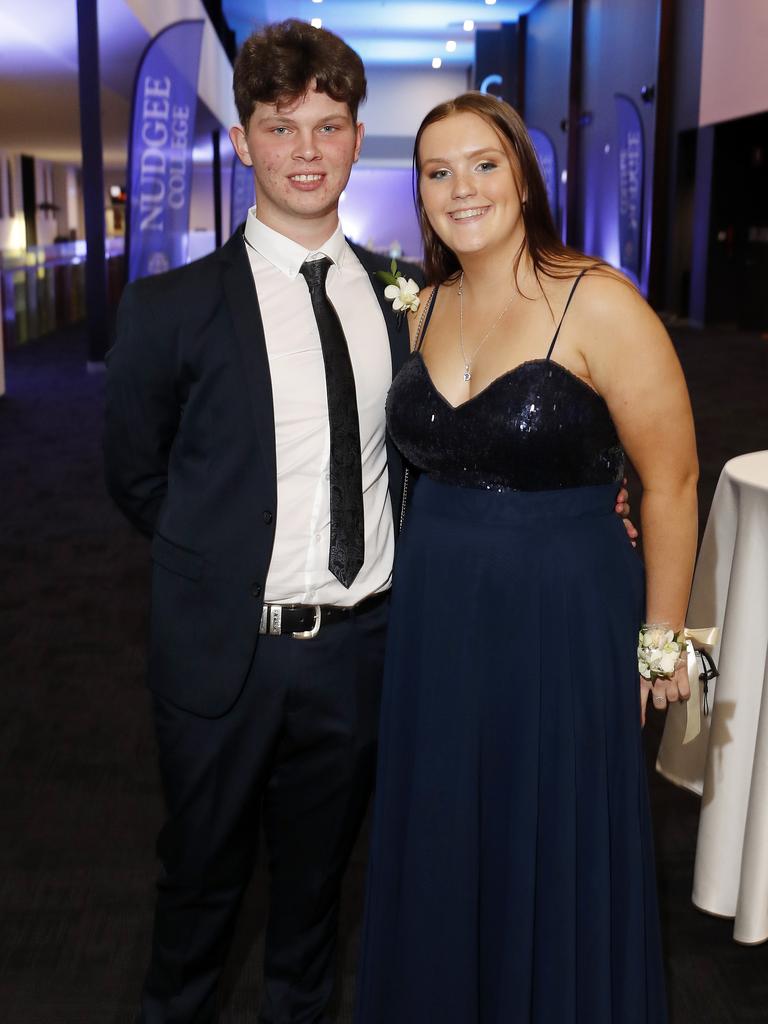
(664, 691)
(622, 509)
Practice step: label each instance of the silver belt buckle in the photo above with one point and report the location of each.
(275, 620)
(271, 620)
(309, 634)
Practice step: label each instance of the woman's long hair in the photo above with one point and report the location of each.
(547, 253)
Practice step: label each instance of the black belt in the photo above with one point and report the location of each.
(303, 621)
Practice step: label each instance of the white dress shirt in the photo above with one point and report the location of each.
(298, 572)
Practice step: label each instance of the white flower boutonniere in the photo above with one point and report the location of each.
(402, 293)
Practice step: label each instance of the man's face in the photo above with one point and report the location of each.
(302, 154)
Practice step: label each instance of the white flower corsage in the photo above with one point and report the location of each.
(659, 651)
(402, 293)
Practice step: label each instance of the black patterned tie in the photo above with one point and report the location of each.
(347, 550)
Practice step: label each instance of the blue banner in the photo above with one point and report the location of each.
(545, 151)
(160, 151)
(631, 156)
(242, 194)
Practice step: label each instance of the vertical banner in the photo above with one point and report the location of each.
(242, 194)
(160, 150)
(631, 156)
(545, 151)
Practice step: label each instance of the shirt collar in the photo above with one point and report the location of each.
(285, 254)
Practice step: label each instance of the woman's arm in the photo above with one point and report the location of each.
(634, 367)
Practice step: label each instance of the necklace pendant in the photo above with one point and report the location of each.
(467, 374)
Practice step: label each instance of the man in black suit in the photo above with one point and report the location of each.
(245, 436)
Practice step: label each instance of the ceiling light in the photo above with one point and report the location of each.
(437, 62)
(469, 25)
(317, 1)
(316, 23)
(490, 2)
(451, 46)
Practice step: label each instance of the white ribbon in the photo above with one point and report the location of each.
(694, 640)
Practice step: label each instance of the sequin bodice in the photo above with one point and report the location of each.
(537, 427)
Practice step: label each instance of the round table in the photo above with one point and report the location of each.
(727, 763)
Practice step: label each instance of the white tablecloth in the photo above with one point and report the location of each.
(727, 764)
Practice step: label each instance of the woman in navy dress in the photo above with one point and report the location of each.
(512, 868)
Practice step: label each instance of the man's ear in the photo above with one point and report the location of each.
(239, 142)
(360, 135)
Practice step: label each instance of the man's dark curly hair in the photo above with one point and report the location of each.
(280, 63)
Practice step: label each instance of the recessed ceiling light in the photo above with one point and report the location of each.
(437, 62)
(490, 2)
(317, 1)
(451, 46)
(469, 25)
(316, 23)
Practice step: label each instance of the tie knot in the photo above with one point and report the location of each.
(315, 273)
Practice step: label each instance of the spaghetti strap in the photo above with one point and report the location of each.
(573, 289)
(421, 330)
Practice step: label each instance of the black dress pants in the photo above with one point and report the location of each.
(298, 752)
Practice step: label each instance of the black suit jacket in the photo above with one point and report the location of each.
(190, 459)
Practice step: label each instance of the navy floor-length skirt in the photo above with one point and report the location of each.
(512, 873)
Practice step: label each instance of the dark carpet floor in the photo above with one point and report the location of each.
(79, 799)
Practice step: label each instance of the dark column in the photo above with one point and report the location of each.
(522, 40)
(93, 181)
(496, 53)
(688, 33)
(662, 155)
(574, 227)
(702, 205)
(217, 187)
(29, 198)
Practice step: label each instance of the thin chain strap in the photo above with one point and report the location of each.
(407, 473)
(404, 501)
(420, 325)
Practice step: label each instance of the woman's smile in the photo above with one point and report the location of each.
(469, 214)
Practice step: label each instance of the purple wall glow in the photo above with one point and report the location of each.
(620, 56)
(547, 58)
(377, 210)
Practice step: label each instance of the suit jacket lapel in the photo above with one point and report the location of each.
(240, 293)
(399, 346)
(397, 328)
(243, 304)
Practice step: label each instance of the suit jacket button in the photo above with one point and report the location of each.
(256, 590)
(267, 516)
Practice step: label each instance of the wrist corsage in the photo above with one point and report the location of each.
(659, 650)
(402, 293)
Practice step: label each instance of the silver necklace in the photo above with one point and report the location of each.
(494, 325)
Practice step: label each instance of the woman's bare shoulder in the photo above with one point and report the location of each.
(606, 292)
(610, 308)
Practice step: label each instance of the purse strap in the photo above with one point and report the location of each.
(426, 313)
(421, 327)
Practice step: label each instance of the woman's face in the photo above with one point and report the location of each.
(468, 185)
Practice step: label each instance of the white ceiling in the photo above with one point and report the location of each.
(39, 103)
(39, 99)
(386, 32)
